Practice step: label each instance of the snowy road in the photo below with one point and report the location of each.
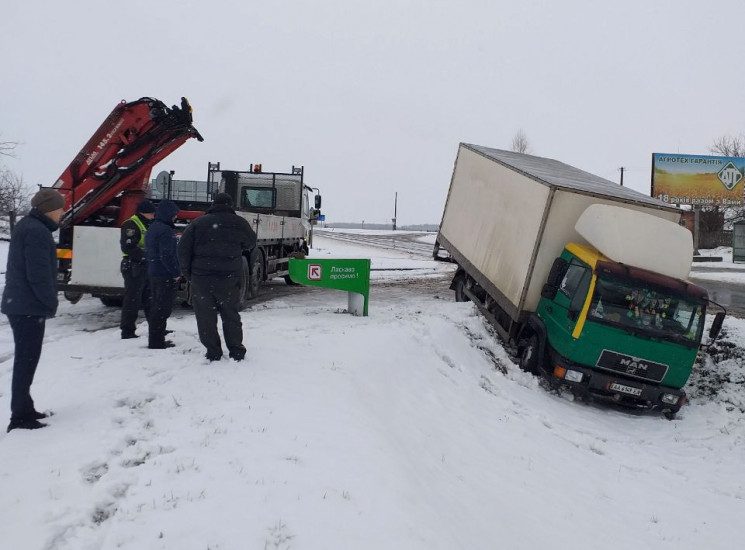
(725, 286)
(401, 241)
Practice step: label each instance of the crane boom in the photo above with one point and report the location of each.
(120, 155)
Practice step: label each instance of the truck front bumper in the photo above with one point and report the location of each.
(588, 382)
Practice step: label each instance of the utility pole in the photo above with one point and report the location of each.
(395, 208)
(622, 170)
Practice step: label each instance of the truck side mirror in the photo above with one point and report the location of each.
(716, 325)
(555, 276)
(558, 270)
(549, 291)
(318, 202)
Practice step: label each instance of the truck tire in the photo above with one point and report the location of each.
(529, 356)
(112, 301)
(245, 283)
(290, 282)
(255, 274)
(459, 285)
(73, 297)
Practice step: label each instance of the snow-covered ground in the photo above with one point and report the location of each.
(724, 253)
(725, 271)
(407, 429)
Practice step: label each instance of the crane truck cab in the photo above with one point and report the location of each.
(278, 207)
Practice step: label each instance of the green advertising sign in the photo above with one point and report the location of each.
(352, 275)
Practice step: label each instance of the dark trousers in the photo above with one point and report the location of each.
(162, 296)
(136, 294)
(213, 295)
(28, 335)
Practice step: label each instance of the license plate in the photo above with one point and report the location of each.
(615, 386)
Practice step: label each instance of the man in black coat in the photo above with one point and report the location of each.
(163, 270)
(134, 267)
(30, 298)
(211, 256)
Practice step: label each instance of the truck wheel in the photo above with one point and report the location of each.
(459, 288)
(245, 284)
(73, 297)
(529, 356)
(112, 301)
(256, 274)
(290, 282)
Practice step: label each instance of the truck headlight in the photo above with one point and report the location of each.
(573, 376)
(670, 399)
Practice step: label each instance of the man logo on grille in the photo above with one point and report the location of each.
(633, 366)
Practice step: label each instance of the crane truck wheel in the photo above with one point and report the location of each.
(112, 301)
(245, 283)
(290, 282)
(529, 356)
(255, 274)
(73, 297)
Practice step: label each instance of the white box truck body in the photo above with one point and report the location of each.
(584, 279)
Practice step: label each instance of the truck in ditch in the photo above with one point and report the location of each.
(583, 279)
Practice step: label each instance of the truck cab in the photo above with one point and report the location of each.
(277, 205)
(620, 333)
(257, 194)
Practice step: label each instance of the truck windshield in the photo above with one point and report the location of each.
(647, 311)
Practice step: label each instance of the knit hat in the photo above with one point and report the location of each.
(223, 198)
(146, 207)
(47, 200)
(166, 211)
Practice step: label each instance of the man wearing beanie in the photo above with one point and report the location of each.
(211, 258)
(30, 297)
(163, 270)
(134, 267)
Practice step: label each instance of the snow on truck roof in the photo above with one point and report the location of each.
(557, 174)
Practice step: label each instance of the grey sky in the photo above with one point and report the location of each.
(374, 97)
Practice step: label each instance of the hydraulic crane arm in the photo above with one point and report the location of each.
(121, 154)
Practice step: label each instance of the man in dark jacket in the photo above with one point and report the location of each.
(29, 298)
(134, 267)
(211, 257)
(164, 272)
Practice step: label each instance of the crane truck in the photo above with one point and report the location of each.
(111, 174)
(583, 279)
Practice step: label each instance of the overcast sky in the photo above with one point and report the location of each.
(374, 97)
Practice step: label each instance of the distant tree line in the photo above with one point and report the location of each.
(15, 196)
(719, 217)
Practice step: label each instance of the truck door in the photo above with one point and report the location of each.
(562, 313)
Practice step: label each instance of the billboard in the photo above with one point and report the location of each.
(698, 180)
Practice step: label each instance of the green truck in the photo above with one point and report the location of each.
(584, 280)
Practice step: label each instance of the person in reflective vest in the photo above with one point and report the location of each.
(134, 268)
